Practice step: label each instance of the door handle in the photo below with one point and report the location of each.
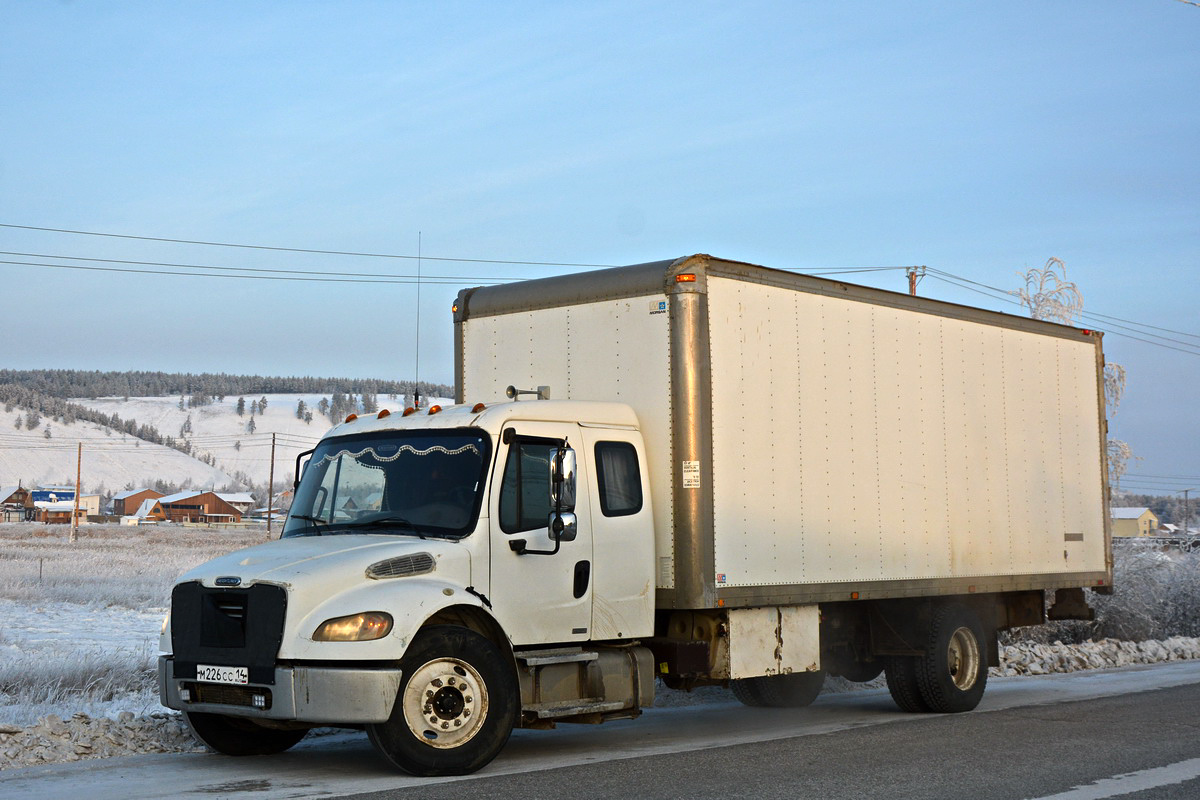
(583, 573)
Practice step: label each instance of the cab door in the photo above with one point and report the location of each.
(541, 589)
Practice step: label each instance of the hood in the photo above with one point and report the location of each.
(285, 562)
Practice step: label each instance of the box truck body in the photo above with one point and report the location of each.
(808, 438)
(731, 475)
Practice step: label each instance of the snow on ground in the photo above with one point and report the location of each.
(110, 459)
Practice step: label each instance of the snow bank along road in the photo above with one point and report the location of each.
(345, 764)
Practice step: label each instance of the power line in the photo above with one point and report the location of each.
(1000, 294)
(455, 278)
(243, 277)
(303, 249)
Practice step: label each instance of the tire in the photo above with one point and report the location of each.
(457, 705)
(901, 672)
(238, 736)
(953, 672)
(794, 690)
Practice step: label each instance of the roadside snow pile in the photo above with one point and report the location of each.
(54, 739)
(1027, 658)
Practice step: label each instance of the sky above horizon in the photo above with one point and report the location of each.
(977, 139)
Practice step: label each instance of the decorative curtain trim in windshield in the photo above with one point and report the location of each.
(404, 448)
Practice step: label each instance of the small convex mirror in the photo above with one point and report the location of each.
(562, 478)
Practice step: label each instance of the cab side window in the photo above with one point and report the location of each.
(525, 490)
(619, 479)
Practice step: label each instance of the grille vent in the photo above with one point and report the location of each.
(220, 694)
(401, 566)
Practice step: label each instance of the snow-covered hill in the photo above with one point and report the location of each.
(217, 429)
(112, 460)
(115, 460)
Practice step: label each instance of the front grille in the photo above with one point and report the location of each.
(220, 694)
(228, 628)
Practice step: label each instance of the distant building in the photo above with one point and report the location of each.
(1134, 522)
(16, 504)
(242, 501)
(197, 507)
(128, 502)
(57, 513)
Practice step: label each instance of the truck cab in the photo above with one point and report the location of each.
(499, 555)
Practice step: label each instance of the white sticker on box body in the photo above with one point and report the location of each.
(691, 474)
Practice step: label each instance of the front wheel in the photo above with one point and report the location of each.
(237, 736)
(793, 690)
(457, 705)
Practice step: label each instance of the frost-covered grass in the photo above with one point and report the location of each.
(79, 621)
(127, 567)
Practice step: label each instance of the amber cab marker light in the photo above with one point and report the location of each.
(687, 277)
(477, 408)
(409, 410)
(434, 409)
(351, 418)
(854, 595)
(384, 413)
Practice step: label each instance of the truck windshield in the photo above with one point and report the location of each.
(414, 483)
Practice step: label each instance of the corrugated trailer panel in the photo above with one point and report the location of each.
(858, 442)
(613, 350)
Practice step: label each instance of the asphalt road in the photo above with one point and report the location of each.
(1130, 733)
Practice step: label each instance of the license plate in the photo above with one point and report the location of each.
(222, 674)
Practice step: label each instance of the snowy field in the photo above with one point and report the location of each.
(79, 626)
(79, 622)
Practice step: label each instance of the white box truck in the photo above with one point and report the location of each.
(705, 472)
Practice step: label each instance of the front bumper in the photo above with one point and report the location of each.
(329, 695)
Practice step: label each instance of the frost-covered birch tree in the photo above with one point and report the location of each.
(1048, 295)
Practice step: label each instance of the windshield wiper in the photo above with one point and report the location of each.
(307, 518)
(390, 521)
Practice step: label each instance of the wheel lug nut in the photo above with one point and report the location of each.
(467, 699)
(437, 682)
(457, 722)
(445, 725)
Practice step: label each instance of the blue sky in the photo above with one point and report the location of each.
(978, 139)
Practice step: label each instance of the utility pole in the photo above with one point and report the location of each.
(78, 475)
(914, 275)
(1187, 509)
(271, 488)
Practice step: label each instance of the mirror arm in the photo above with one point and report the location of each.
(518, 547)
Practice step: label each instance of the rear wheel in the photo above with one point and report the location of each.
(237, 736)
(901, 672)
(794, 690)
(953, 672)
(456, 707)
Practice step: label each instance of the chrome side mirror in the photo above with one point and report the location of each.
(564, 527)
(562, 479)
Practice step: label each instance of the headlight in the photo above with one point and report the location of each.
(357, 628)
